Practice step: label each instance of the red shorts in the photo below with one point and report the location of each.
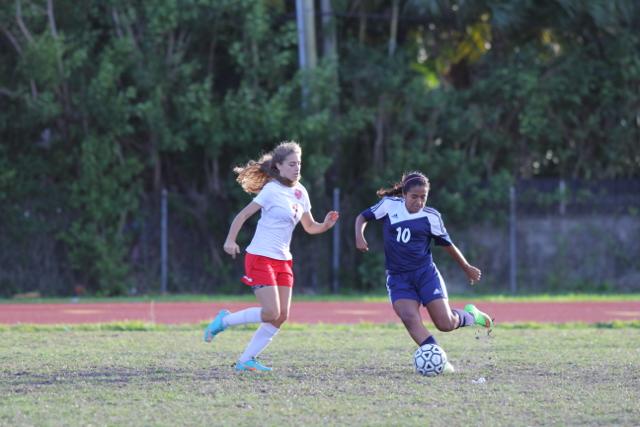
(262, 270)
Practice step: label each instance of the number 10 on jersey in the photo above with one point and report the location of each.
(404, 234)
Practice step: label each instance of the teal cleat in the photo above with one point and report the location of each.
(252, 365)
(481, 319)
(215, 327)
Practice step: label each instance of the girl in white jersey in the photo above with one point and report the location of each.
(412, 278)
(284, 202)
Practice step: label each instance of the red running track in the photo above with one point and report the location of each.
(308, 312)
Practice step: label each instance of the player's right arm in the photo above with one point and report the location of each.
(361, 242)
(230, 245)
(375, 212)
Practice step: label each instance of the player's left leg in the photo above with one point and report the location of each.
(448, 368)
(267, 330)
(444, 320)
(285, 305)
(406, 303)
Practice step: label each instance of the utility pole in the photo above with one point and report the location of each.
(513, 254)
(164, 239)
(335, 261)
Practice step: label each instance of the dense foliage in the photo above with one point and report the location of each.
(106, 102)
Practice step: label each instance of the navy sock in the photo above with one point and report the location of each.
(466, 319)
(430, 340)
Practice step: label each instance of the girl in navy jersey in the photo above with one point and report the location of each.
(283, 202)
(413, 279)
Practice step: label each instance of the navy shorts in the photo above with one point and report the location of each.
(423, 285)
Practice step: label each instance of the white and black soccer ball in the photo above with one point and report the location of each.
(430, 360)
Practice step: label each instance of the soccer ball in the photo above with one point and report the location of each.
(430, 360)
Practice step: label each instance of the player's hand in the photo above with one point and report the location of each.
(361, 244)
(473, 273)
(331, 218)
(232, 249)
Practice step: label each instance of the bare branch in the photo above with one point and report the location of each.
(212, 46)
(35, 6)
(116, 20)
(183, 38)
(34, 89)
(170, 46)
(393, 32)
(12, 39)
(63, 92)
(52, 19)
(211, 55)
(130, 31)
(176, 45)
(122, 22)
(23, 27)
(8, 93)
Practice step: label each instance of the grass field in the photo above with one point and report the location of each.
(324, 375)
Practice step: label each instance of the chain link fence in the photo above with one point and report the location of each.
(550, 236)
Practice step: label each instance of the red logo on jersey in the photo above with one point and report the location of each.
(298, 194)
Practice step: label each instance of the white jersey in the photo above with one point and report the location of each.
(282, 208)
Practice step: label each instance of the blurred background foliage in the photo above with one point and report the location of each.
(106, 102)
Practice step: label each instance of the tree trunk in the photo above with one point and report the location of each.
(329, 39)
(380, 125)
(362, 25)
(393, 30)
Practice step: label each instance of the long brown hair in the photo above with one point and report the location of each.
(255, 174)
(408, 181)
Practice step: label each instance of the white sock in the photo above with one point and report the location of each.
(261, 339)
(242, 317)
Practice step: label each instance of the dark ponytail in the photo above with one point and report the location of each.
(409, 180)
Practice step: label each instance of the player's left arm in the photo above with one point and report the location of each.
(473, 273)
(312, 227)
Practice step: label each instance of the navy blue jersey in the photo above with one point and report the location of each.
(407, 237)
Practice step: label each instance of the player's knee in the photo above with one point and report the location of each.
(280, 320)
(409, 317)
(270, 315)
(445, 325)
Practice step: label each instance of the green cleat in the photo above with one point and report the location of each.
(252, 365)
(481, 319)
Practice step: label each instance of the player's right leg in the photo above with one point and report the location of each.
(406, 304)
(408, 310)
(480, 318)
(448, 368)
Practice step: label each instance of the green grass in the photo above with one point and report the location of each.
(371, 297)
(136, 374)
